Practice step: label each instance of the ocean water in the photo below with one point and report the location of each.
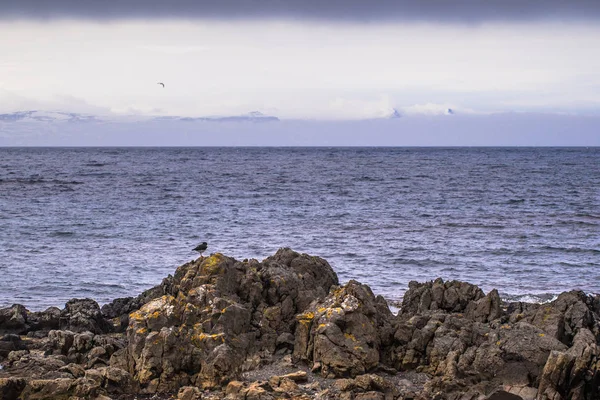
(111, 222)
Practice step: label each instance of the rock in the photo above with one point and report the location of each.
(298, 376)
(82, 315)
(453, 296)
(59, 342)
(10, 343)
(38, 366)
(575, 373)
(565, 316)
(217, 319)
(502, 395)
(51, 389)
(234, 387)
(216, 314)
(11, 388)
(283, 385)
(75, 370)
(486, 309)
(189, 393)
(112, 380)
(369, 396)
(13, 320)
(346, 333)
(44, 320)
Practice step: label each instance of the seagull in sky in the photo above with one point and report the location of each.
(160, 83)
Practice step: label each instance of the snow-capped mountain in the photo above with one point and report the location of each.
(46, 116)
(254, 116)
(62, 117)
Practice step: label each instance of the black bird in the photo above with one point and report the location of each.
(201, 248)
(160, 83)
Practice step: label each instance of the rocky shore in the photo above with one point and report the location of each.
(285, 328)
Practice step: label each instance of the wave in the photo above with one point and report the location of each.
(95, 164)
(472, 225)
(62, 234)
(570, 249)
(35, 181)
(538, 298)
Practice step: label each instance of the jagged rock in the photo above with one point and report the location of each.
(44, 320)
(486, 309)
(217, 319)
(10, 343)
(367, 386)
(189, 393)
(38, 366)
(112, 380)
(502, 395)
(282, 385)
(298, 376)
(11, 388)
(573, 374)
(80, 315)
(13, 320)
(217, 313)
(565, 316)
(62, 388)
(453, 296)
(119, 309)
(346, 333)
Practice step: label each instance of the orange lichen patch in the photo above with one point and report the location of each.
(541, 334)
(309, 315)
(350, 336)
(204, 337)
(137, 316)
(305, 318)
(337, 310)
(321, 310)
(505, 326)
(141, 331)
(154, 308)
(154, 315)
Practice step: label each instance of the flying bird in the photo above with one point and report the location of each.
(160, 83)
(201, 248)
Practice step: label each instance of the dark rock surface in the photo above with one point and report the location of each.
(284, 328)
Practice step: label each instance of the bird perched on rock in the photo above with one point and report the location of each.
(201, 248)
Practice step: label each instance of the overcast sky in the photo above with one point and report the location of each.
(335, 59)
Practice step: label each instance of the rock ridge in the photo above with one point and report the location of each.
(284, 327)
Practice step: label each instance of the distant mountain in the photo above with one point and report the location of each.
(60, 116)
(395, 114)
(254, 116)
(47, 116)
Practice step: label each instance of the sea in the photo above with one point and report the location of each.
(105, 223)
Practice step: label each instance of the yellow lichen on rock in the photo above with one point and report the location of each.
(212, 265)
(350, 336)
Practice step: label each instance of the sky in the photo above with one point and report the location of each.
(301, 60)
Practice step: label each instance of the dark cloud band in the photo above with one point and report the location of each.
(334, 10)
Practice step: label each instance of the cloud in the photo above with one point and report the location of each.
(435, 109)
(360, 108)
(11, 102)
(469, 11)
(175, 49)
